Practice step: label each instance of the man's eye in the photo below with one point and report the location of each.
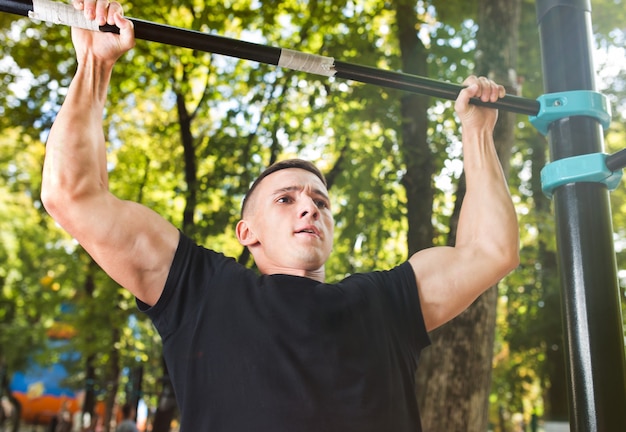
(283, 200)
(321, 204)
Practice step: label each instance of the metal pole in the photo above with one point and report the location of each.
(205, 42)
(594, 338)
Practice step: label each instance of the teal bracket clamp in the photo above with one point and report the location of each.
(555, 106)
(584, 168)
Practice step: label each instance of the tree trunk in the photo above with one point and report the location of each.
(89, 404)
(191, 167)
(454, 375)
(10, 422)
(166, 409)
(112, 379)
(416, 153)
(134, 390)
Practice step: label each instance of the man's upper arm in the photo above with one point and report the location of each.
(449, 279)
(133, 244)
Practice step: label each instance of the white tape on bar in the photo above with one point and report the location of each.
(310, 63)
(60, 13)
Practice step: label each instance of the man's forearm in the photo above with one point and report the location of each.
(75, 163)
(488, 215)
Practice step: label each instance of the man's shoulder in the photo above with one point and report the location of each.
(126, 426)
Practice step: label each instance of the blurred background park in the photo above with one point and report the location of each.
(188, 131)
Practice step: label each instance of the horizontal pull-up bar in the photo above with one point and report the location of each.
(60, 13)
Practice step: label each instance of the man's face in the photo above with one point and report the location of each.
(288, 225)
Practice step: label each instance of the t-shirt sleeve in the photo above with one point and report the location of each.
(408, 301)
(397, 291)
(187, 290)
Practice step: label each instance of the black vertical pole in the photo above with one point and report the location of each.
(590, 294)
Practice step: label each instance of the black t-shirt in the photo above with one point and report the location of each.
(286, 353)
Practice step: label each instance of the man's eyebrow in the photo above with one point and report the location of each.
(294, 188)
(286, 189)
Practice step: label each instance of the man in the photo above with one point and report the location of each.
(128, 422)
(280, 351)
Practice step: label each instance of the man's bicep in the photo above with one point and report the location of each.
(449, 280)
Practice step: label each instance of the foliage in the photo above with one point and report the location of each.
(240, 116)
(23, 257)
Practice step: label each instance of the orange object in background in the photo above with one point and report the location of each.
(40, 410)
(43, 392)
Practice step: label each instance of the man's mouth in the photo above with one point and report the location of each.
(308, 231)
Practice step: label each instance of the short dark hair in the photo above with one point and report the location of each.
(127, 409)
(281, 165)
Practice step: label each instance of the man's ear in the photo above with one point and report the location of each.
(245, 234)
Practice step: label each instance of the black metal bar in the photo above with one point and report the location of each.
(616, 161)
(427, 86)
(17, 7)
(594, 339)
(176, 36)
(205, 42)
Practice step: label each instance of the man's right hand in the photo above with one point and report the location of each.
(102, 46)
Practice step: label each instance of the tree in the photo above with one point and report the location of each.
(45, 269)
(23, 262)
(454, 375)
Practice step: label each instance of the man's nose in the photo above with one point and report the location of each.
(309, 208)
